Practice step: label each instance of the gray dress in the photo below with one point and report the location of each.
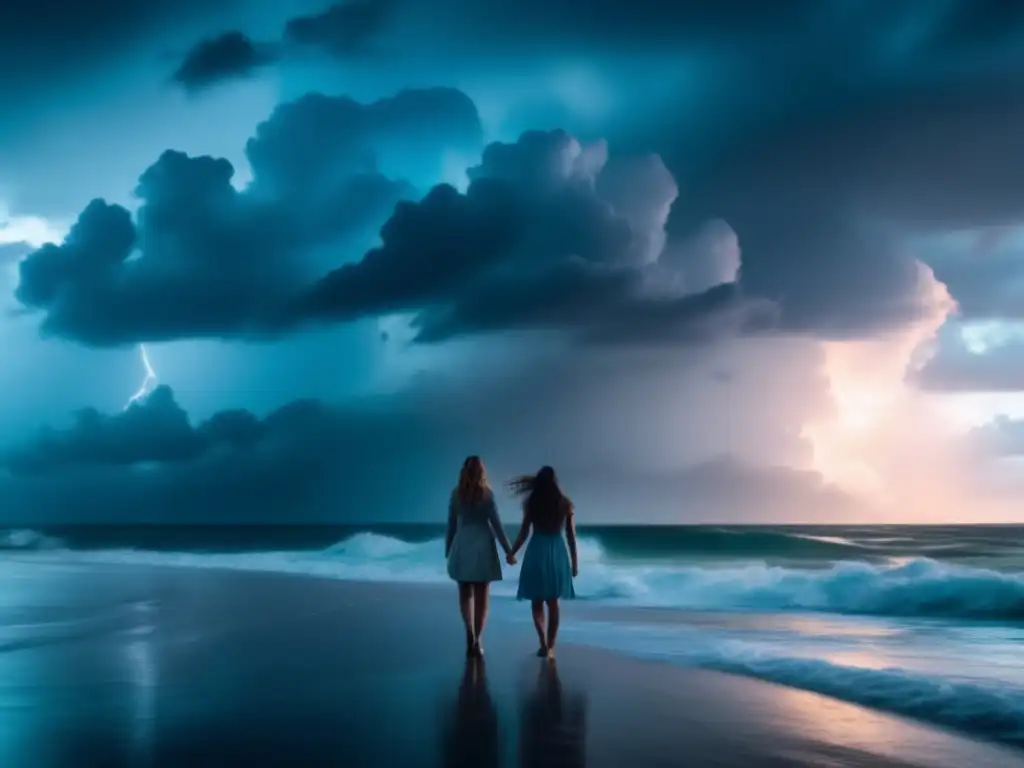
(471, 551)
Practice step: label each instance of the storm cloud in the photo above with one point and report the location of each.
(695, 255)
(540, 240)
(201, 258)
(229, 55)
(550, 234)
(341, 30)
(394, 457)
(344, 29)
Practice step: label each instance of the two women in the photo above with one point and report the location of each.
(548, 569)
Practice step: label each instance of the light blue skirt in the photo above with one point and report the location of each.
(546, 573)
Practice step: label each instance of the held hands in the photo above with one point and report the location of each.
(510, 558)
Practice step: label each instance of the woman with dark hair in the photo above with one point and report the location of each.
(548, 569)
(552, 724)
(473, 524)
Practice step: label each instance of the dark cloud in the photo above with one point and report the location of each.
(228, 55)
(983, 269)
(550, 234)
(344, 29)
(305, 462)
(541, 239)
(828, 206)
(604, 306)
(308, 143)
(831, 171)
(833, 278)
(858, 131)
(821, 172)
(212, 261)
(201, 258)
(155, 430)
(395, 457)
(870, 121)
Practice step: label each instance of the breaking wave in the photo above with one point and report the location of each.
(27, 539)
(919, 587)
(989, 708)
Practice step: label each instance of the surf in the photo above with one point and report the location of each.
(986, 708)
(918, 587)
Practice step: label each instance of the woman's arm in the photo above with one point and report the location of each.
(452, 524)
(570, 537)
(524, 531)
(496, 527)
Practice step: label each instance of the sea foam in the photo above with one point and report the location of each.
(918, 587)
(986, 707)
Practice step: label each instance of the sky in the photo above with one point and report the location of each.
(735, 262)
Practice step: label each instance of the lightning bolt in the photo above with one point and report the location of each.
(148, 383)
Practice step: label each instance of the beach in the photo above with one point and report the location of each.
(166, 666)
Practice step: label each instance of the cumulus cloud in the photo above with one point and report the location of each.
(881, 438)
(155, 430)
(229, 55)
(343, 29)
(313, 461)
(305, 462)
(549, 235)
(308, 143)
(201, 258)
(542, 239)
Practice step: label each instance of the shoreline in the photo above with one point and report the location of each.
(383, 637)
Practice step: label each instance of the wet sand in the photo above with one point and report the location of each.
(181, 667)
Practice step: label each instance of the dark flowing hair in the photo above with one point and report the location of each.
(543, 500)
(472, 481)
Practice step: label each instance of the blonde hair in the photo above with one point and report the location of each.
(473, 484)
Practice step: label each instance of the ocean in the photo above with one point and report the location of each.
(926, 622)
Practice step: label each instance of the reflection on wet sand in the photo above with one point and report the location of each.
(471, 735)
(553, 724)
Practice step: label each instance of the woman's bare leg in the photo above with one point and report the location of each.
(481, 604)
(466, 609)
(554, 617)
(537, 609)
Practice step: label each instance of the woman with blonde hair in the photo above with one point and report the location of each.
(549, 565)
(473, 525)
